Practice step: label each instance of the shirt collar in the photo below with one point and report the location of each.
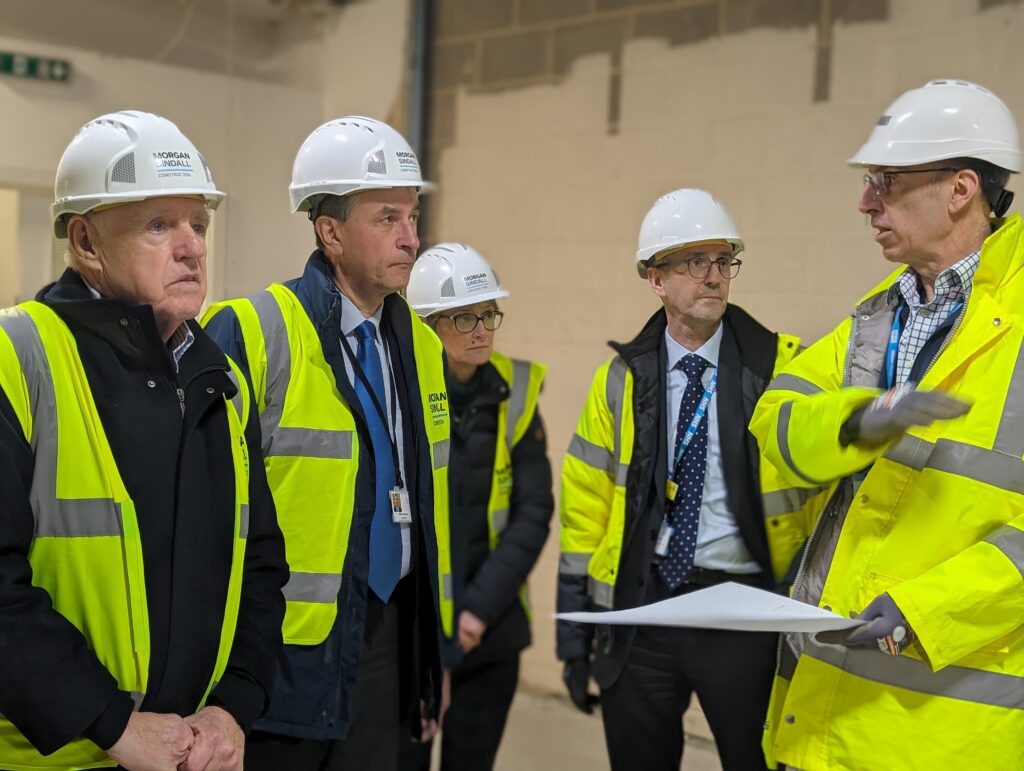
(709, 351)
(352, 317)
(954, 283)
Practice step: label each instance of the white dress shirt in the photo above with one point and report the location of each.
(351, 318)
(719, 543)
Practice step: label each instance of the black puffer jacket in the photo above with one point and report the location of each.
(492, 579)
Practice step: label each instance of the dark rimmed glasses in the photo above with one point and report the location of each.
(700, 266)
(466, 322)
(881, 181)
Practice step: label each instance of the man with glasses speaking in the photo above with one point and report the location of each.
(910, 415)
(660, 497)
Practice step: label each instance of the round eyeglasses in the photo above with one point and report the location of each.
(700, 266)
(466, 322)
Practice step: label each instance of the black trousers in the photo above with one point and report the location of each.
(473, 726)
(373, 735)
(731, 673)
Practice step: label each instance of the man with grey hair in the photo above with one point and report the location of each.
(141, 563)
(356, 439)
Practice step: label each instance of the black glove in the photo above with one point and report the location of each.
(886, 629)
(897, 410)
(576, 676)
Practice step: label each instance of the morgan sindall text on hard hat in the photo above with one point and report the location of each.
(684, 218)
(451, 276)
(351, 154)
(128, 156)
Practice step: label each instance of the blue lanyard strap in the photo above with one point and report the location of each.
(698, 416)
(893, 347)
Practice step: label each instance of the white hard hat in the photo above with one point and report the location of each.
(683, 218)
(943, 119)
(350, 154)
(127, 156)
(451, 276)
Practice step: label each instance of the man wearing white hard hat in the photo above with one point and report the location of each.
(660, 497)
(910, 415)
(141, 563)
(350, 387)
(500, 498)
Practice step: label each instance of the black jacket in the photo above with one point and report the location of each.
(314, 685)
(746, 364)
(178, 470)
(493, 579)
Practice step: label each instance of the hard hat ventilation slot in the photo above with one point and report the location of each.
(124, 169)
(448, 287)
(375, 163)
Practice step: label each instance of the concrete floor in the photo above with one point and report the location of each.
(547, 732)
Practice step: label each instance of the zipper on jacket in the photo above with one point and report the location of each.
(181, 399)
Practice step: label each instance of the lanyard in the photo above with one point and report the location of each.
(698, 416)
(893, 347)
(391, 425)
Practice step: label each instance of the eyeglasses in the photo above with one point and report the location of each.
(466, 322)
(881, 181)
(700, 267)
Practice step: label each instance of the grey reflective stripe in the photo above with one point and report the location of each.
(989, 467)
(279, 364)
(243, 524)
(499, 520)
(621, 474)
(787, 382)
(779, 502)
(601, 593)
(1010, 436)
(237, 398)
(310, 443)
(520, 386)
(571, 563)
(82, 517)
(953, 682)
(136, 700)
(1010, 541)
(441, 449)
(593, 455)
(312, 587)
(54, 517)
(615, 395)
(446, 587)
(782, 434)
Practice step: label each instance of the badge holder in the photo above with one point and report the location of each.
(401, 511)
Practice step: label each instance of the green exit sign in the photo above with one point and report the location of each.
(35, 67)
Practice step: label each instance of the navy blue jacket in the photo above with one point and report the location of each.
(312, 696)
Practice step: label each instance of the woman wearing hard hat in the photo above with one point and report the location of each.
(501, 501)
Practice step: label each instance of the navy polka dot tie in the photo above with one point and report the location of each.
(683, 513)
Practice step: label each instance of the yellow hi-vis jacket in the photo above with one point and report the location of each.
(594, 479)
(311, 451)
(936, 522)
(87, 552)
(525, 380)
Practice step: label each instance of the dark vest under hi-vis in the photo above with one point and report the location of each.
(87, 550)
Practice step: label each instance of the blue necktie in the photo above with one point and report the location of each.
(385, 534)
(684, 512)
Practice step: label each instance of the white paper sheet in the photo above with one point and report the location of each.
(725, 606)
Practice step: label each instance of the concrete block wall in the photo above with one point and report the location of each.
(556, 124)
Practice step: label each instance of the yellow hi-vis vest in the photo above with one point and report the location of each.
(515, 414)
(87, 551)
(311, 453)
(593, 501)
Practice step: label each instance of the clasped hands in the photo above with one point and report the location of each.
(209, 740)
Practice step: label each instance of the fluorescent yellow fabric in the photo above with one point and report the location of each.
(515, 414)
(311, 451)
(937, 523)
(87, 551)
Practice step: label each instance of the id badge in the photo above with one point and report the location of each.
(664, 538)
(671, 488)
(401, 511)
